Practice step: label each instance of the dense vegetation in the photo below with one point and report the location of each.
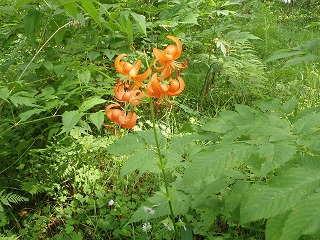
(232, 154)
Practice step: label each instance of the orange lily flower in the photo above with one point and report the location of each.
(128, 93)
(167, 58)
(118, 116)
(131, 70)
(158, 88)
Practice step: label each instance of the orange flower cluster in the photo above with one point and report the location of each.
(130, 91)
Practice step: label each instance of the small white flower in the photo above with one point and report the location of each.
(111, 202)
(148, 210)
(183, 224)
(167, 226)
(146, 227)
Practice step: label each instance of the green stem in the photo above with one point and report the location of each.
(162, 166)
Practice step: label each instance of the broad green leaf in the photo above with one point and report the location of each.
(32, 23)
(72, 8)
(276, 154)
(126, 25)
(126, 145)
(211, 189)
(148, 136)
(84, 76)
(190, 19)
(213, 164)
(289, 106)
(17, 99)
(298, 60)
(233, 200)
(91, 10)
(21, 3)
(59, 36)
(239, 36)
(97, 119)
(25, 115)
(304, 219)
(87, 104)
(141, 20)
(274, 226)
(93, 55)
(4, 93)
(283, 193)
(70, 119)
(268, 105)
(308, 124)
(145, 160)
(281, 55)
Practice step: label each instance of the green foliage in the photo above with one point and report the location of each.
(250, 164)
(249, 173)
(6, 199)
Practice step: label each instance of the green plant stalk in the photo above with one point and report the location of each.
(166, 184)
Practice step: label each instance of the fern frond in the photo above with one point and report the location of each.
(6, 199)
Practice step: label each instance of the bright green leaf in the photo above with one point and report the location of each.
(70, 119)
(141, 20)
(25, 115)
(126, 145)
(91, 10)
(86, 105)
(4, 93)
(97, 119)
(306, 215)
(144, 161)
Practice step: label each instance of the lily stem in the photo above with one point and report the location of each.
(162, 166)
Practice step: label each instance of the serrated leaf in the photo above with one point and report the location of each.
(70, 119)
(274, 226)
(17, 99)
(148, 136)
(214, 163)
(190, 19)
(4, 93)
(21, 3)
(298, 60)
(289, 106)
(276, 154)
(25, 115)
(141, 20)
(210, 189)
(308, 124)
(72, 8)
(306, 215)
(91, 10)
(144, 160)
(283, 193)
(282, 55)
(97, 119)
(89, 103)
(268, 105)
(84, 76)
(126, 145)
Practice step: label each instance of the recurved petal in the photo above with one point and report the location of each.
(178, 51)
(139, 78)
(119, 65)
(176, 86)
(135, 68)
(129, 120)
(161, 57)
